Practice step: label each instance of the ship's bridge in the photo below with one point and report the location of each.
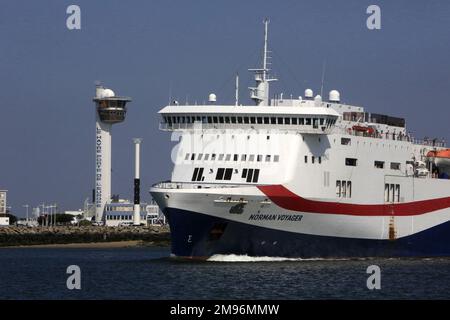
(310, 120)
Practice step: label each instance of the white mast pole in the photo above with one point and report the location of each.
(137, 201)
(266, 24)
(237, 90)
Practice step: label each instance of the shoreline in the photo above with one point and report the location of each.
(84, 237)
(93, 245)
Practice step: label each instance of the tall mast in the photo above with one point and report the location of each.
(266, 25)
(260, 93)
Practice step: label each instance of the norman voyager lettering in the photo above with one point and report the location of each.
(276, 217)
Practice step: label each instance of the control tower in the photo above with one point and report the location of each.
(110, 109)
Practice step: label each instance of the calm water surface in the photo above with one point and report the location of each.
(149, 273)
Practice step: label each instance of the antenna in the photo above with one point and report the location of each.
(236, 88)
(266, 25)
(324, 66)
(260, 93)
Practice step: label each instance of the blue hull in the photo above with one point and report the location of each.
(201, 236)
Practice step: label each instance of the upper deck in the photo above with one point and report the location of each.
(307, 119)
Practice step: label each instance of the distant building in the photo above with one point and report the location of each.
(4, 221)
(3, 202)
(121, 213)
(74, 213)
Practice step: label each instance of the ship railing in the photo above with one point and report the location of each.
(438, 143)
(189, 185)
(307, 129)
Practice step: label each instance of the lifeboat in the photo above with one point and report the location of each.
(363, 129)
(441, 159)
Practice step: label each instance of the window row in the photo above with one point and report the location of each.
(315, 122)
(343, 189)
(198, 175)
(393, 165)
(121, 217)
(232, 157)
(251, 175)
(314, 159)
(391, 192)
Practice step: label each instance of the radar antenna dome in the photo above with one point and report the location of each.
(212, 98)
(335, 96)
(308, 94)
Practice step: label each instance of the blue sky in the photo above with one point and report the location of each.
(146, 49)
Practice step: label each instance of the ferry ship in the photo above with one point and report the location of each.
(302, 177)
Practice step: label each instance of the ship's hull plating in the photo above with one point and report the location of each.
(201, 235)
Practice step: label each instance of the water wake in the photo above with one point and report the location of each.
(246, 258)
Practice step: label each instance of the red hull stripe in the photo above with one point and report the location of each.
(286, 199)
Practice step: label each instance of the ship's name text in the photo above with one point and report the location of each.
(276, 217)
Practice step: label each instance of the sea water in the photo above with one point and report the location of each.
(150, 273)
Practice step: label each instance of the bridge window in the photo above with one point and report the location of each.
(294, 120)
(351, 162)
(266, 120)
(301, 121)
(276, 158)
(239, 119)
(280, 120)
(220, 173)
(252, 120)
(209, 120)
(228, 174)
(379, 164)
(215, 119)
(259, 120)
(256, 175)
(227, 119)
(321, 121)
(220, 119)
(315, 123)
(268, 158)
(287, 120)
(233, 119)
(308, 121)
(246, 120)
(197, 175)
(249, 175)
(395, 166)
(273, 120)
